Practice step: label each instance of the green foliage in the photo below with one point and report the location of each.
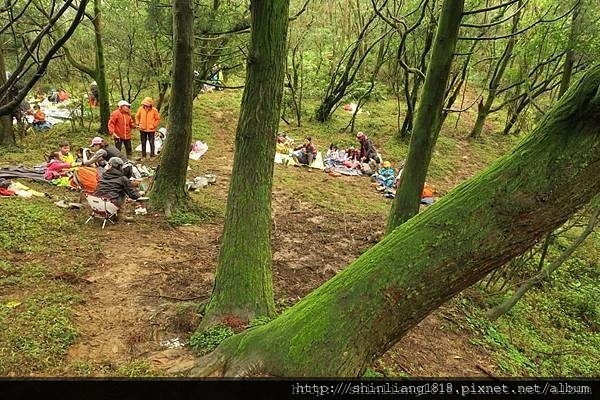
(371, 373)
(258, 321)
(203, 342)
(555, 329)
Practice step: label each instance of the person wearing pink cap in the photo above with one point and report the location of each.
(120, 125)
(147, 119)
(103, 152)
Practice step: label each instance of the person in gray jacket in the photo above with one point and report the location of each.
(114, 185)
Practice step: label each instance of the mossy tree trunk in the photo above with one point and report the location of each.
(7, 134)
(344, 325)
(101, 70)
(243, 281)
(168, 192)
(428, 116)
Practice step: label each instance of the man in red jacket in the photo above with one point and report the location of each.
(120, 125)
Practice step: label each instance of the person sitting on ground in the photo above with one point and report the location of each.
(103, 151)
(385, 176)
(53, 96)
(335, 156)
(120, 125)
(62, 95)
(65, 150)
(368, 153)
(147, 119)
(284, 143)
(305, 153)
(56, 166)
(39, 119)
(114, 185)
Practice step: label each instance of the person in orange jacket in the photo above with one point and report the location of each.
(147, 119)
(120, 125)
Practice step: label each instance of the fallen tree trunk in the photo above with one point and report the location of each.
(344, 325)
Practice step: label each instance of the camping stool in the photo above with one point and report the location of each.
(101, 208)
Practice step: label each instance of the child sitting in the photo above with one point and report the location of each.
(385, 176)
(56, 166)
(65, 151)
(335, 156)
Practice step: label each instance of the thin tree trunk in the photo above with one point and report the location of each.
(168, 192)
(543, 275)
(243, 281)
(7, 134)
(570, 56)
(101, 70)
(341, 327)
(428, 116)
(484, 106)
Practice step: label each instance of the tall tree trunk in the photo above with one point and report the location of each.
(484, 106)
(570, 56)
(101, 70)
(428, 117)
(341, 327)
(243, 281)
(7, 134)
(168, 192)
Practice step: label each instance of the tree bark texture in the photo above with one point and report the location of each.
(570, 56)
(243, 281)
(168, 192)
(7, 134)
(428, 116)
(344, 325)
(101, 70)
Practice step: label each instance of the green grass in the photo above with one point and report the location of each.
(35, 319)
(30, 224)
(554, 330)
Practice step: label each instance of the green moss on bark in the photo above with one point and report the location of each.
(341, 327)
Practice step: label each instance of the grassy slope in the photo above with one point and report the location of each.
(522, 340)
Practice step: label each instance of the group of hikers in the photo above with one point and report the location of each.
(115, 166)
(121, 123)
(110, 165)
(361, 160)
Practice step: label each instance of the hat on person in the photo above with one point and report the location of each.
(97, 140)
(116, 162)
(163, 130)
(387, 164)
(122, 103)
(147, 101)
(94, 83)
(360, 135)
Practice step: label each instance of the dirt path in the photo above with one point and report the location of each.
(140, 303)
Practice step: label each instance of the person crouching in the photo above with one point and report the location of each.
(114, 185)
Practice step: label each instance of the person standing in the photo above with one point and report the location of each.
(147, 119)
(94, 95)
(120, 125)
